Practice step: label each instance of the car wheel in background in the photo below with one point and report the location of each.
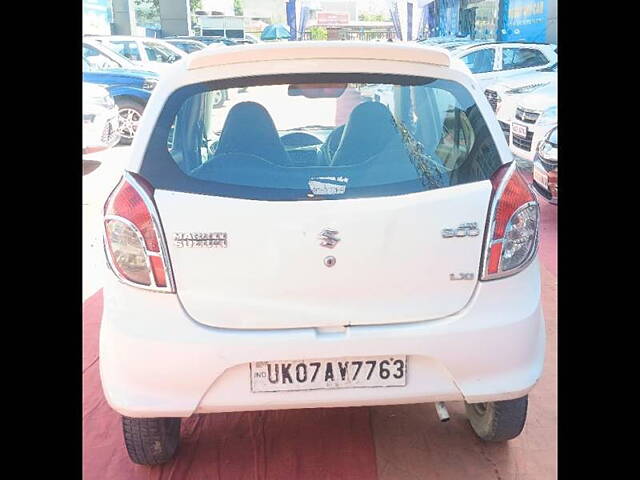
(498, 421)
(129, 115)
(151, 441)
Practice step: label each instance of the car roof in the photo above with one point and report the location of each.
(317, 50)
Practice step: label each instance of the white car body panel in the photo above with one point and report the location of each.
(378, 278)
(165, 354)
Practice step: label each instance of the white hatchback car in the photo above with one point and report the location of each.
(305, 246)
(491, 62)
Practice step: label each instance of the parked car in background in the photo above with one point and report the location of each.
(150, 53)
(130, 90)
(545, 167)
(450, 43)
(289, 269)
(99, 119)
(505, 95)
(100, 57)
(186, 45)
(535, 115)
(207, 40)
(490, 61)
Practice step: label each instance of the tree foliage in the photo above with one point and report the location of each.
(318, 33)
(148, 11)
(237, 7)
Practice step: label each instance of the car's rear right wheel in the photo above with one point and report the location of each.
(151, 441)
(498, 421)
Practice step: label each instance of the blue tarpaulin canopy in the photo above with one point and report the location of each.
(275, 32)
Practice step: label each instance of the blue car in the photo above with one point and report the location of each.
(130, 88)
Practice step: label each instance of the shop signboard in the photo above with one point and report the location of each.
(332, 18)
(526, 21)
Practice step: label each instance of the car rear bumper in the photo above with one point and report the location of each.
(156, 361)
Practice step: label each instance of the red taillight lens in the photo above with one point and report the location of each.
(512, 237)
(157, 267)
(133, 236)
(128, 203)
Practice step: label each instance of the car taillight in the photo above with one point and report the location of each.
(134, 242)
(512, 237)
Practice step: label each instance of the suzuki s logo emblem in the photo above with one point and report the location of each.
(328, 238)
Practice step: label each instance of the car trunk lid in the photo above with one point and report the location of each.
(393, 262)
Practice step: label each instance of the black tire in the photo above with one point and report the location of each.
(151, 441)
(498, 421)
(125, 104)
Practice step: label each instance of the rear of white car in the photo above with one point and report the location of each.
(304, 246)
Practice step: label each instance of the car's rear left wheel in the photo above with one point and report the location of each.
(498, 421)
(151, 441)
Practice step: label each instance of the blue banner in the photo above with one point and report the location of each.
(395, 18)
(409, 21)
(291, 19)
(526, 20)
(304, 16)
(448, 18)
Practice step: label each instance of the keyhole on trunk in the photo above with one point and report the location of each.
(330, 261)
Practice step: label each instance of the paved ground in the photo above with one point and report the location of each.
(391, 442)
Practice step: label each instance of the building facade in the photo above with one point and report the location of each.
(502, 20)
(268, 11)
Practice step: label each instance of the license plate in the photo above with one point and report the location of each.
(519, 130)
(351, 372)
(541, 177)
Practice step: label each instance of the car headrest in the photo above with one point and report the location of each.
(369, 129)
(249, 129)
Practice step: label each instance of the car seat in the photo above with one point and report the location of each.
(249, 129)
(367, 132)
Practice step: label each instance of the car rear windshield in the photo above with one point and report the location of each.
(319, 137)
